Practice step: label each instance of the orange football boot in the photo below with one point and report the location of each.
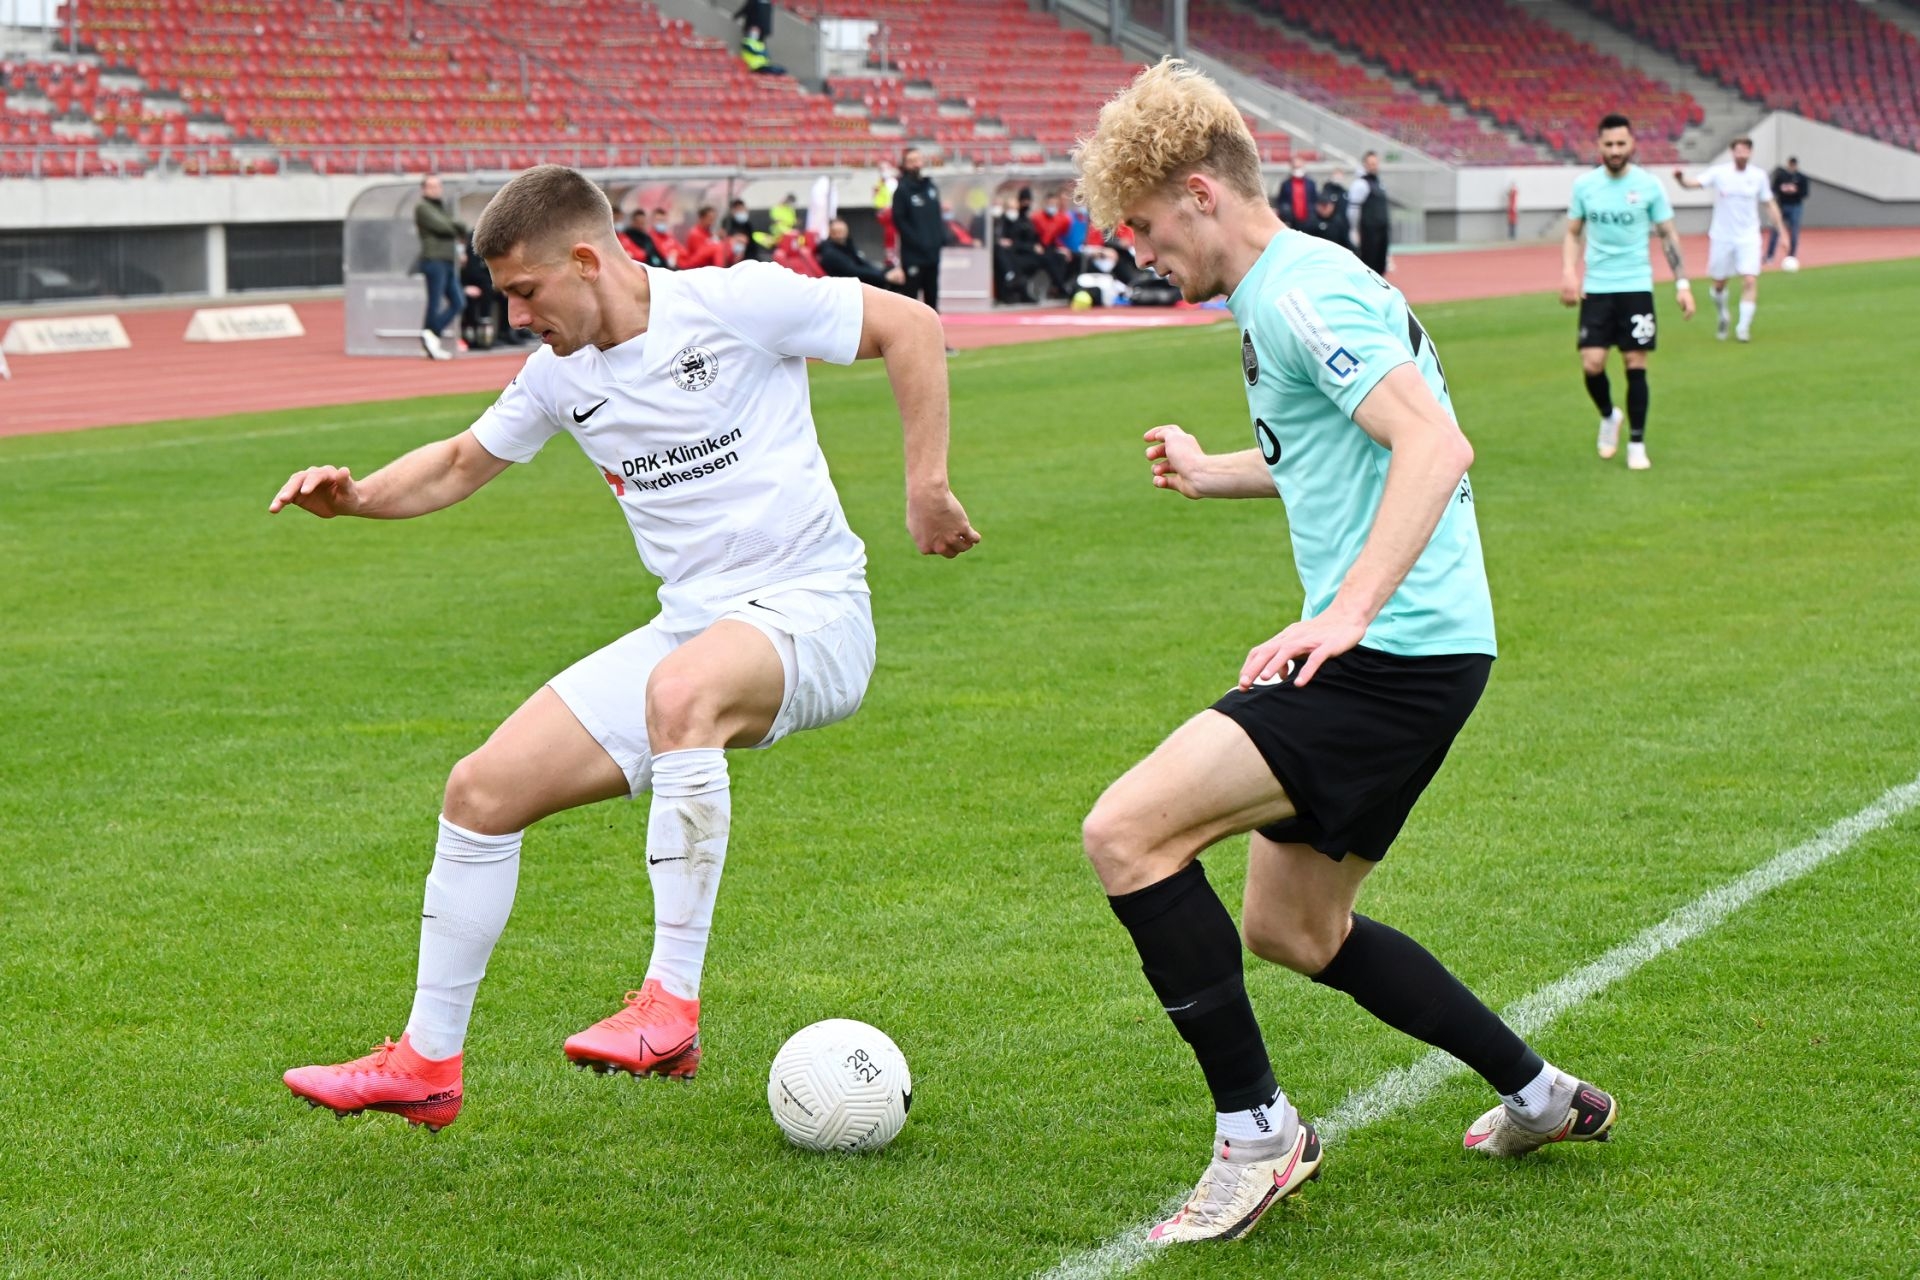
(391, 1078)
(657, 1034)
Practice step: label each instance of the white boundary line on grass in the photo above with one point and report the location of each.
(1406, 1086)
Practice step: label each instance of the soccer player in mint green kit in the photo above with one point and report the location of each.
(1338, 722)
(1615, 208)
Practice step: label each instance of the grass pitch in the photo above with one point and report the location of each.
(225, 737)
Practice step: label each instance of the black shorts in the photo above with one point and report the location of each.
(1355, 748)
(1623, 320)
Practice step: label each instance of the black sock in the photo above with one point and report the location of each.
(1637, 405)
(1399, 982)
(1190, 952)
(1602, 392)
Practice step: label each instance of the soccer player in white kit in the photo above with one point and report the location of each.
(1733, 238)
(688, 392)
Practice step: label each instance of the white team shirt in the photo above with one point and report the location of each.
(703, 431)
(1737, 196)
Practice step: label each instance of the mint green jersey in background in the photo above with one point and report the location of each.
(1620, 213)
(1318, 331)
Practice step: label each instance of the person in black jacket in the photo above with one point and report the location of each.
(1367, 205)
(922, 229)
(1790, 189)
(1328, 220)
(838, 257)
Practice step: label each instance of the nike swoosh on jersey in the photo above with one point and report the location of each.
(580, 416)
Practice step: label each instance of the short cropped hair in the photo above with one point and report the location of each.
(540, 211)
(1614, 120)
(1169, 123)
(1741, 142)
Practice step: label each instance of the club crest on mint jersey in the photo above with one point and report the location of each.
(702, 430)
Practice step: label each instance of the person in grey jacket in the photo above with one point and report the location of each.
(440, 236)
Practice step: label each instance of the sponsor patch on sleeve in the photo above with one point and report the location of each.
(1321, 342)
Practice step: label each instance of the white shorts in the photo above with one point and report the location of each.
(1726, 258)
(825, 641)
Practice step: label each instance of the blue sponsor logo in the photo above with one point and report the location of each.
(1343, 363)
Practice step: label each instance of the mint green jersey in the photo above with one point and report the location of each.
(1620, 214)
(1318, 331)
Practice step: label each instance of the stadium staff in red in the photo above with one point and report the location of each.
(1340, 720)
(688, 391)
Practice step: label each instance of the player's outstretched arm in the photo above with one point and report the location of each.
(431, 477)
(1691, 184)
(1430, 458)
(1682, 287)
(1571, 246)
(1180, 464)
(907, 335)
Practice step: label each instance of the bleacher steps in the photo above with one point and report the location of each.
(1728, 114)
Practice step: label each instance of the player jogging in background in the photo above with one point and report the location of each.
(1340, 720)
(1614, 208)
(1739, 189)
(688, 392)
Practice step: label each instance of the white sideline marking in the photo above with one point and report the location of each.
(1403, 1087)
(118, 447)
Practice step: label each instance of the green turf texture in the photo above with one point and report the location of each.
(225, 737)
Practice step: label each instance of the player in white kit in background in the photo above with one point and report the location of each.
(1739, 189)
(688, 392)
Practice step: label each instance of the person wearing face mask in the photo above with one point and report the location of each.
(661, 231)
(1053, 224)
(1295, 199)
(921, 228)
(638, 241)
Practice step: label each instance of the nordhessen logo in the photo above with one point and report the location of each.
(695, 368)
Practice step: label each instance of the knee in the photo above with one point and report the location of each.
(1301, 941)
(476, 800)
(680, 713)
(1124, 854)
(1593, 364)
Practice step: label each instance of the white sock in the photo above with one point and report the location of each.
(1746, 314)
(469, 893)
(1720, 301)
(1256, 1124)
(686, 849)
(1534, 1102)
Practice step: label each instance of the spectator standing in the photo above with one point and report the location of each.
(921, 227)
(1370, 214)
(838, 257)
(440, 235)
(1790, 190)
(1296, 197)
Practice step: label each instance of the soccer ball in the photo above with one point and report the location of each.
(839, 1085)
(1791, 264)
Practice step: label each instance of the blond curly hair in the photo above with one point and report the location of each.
(1170, 122)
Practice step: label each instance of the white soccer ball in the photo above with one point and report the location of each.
(1791, 264)
(840, 1085)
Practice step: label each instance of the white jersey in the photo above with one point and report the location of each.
(703, 431)
(1737, 196)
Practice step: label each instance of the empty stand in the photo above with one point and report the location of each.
(1829, 60)
(1236, 37)
(1493, 58)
